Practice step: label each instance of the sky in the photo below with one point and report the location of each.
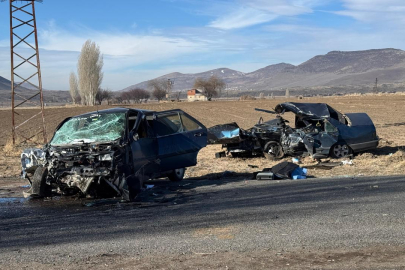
(144, 39)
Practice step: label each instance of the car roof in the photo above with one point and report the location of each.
(310, 110)
(114, 110)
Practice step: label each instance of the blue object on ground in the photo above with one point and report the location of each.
(299, 173)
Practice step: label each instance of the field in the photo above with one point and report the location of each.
(387, 112)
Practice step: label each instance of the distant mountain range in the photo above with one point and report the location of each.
(334, 72)
(336, 68)
(27, 90)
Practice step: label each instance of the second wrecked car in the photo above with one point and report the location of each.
(320, 131)
(110, 153)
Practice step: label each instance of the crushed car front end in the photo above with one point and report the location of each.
(86, 156)
(75, 168)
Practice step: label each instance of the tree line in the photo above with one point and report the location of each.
(85, 87)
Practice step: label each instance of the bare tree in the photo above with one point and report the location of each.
(137, 95)
(89, 69)
(125, 97)
(73, 87)
(159, 88)
(117, 99)
(159, 94)
(104, 94)
(178, 96)
(211, 87)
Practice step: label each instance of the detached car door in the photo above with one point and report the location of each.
(180, 137)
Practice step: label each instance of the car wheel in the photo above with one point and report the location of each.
(340, 151)
(273, 150)
(39, 187)
(177, 175)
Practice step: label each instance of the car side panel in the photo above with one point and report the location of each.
(179, 150)
(359, 137)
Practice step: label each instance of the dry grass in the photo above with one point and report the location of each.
(9, 159)
(365, 164)
(10, 155)
(386, 110)
(247, 97)
(9, 148)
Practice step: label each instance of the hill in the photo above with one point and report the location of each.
(50, 96)
(336, 68)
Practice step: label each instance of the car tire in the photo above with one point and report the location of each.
(340, 150)
(177, 175)
(39, 187)
(273, 151)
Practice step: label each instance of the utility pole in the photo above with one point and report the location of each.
(169, 88)
(376, 86)
(25, 66)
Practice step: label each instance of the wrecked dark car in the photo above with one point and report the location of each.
(110, 153)
(320, 131)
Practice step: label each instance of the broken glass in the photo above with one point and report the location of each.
(91, 128)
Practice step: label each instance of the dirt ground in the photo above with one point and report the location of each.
(386, 257)
(385, 110)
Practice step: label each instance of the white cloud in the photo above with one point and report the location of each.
(144, 47)
(375, 11)
(243, 17)
(283, 7)
(59, 50)
(253, 12)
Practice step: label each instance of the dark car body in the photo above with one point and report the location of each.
(111, 152)
(319, 130)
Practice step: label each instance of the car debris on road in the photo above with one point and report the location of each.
(283, 170)
(110, 153)
(320, 131)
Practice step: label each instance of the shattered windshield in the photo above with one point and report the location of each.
(91, 128)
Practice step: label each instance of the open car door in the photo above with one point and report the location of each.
(180, 137)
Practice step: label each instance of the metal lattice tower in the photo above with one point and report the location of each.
(25, 67)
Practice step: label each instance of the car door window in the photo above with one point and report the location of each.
(189, 124)
(329, 128)
(167, 124)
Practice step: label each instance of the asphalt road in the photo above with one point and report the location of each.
(206, 217)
